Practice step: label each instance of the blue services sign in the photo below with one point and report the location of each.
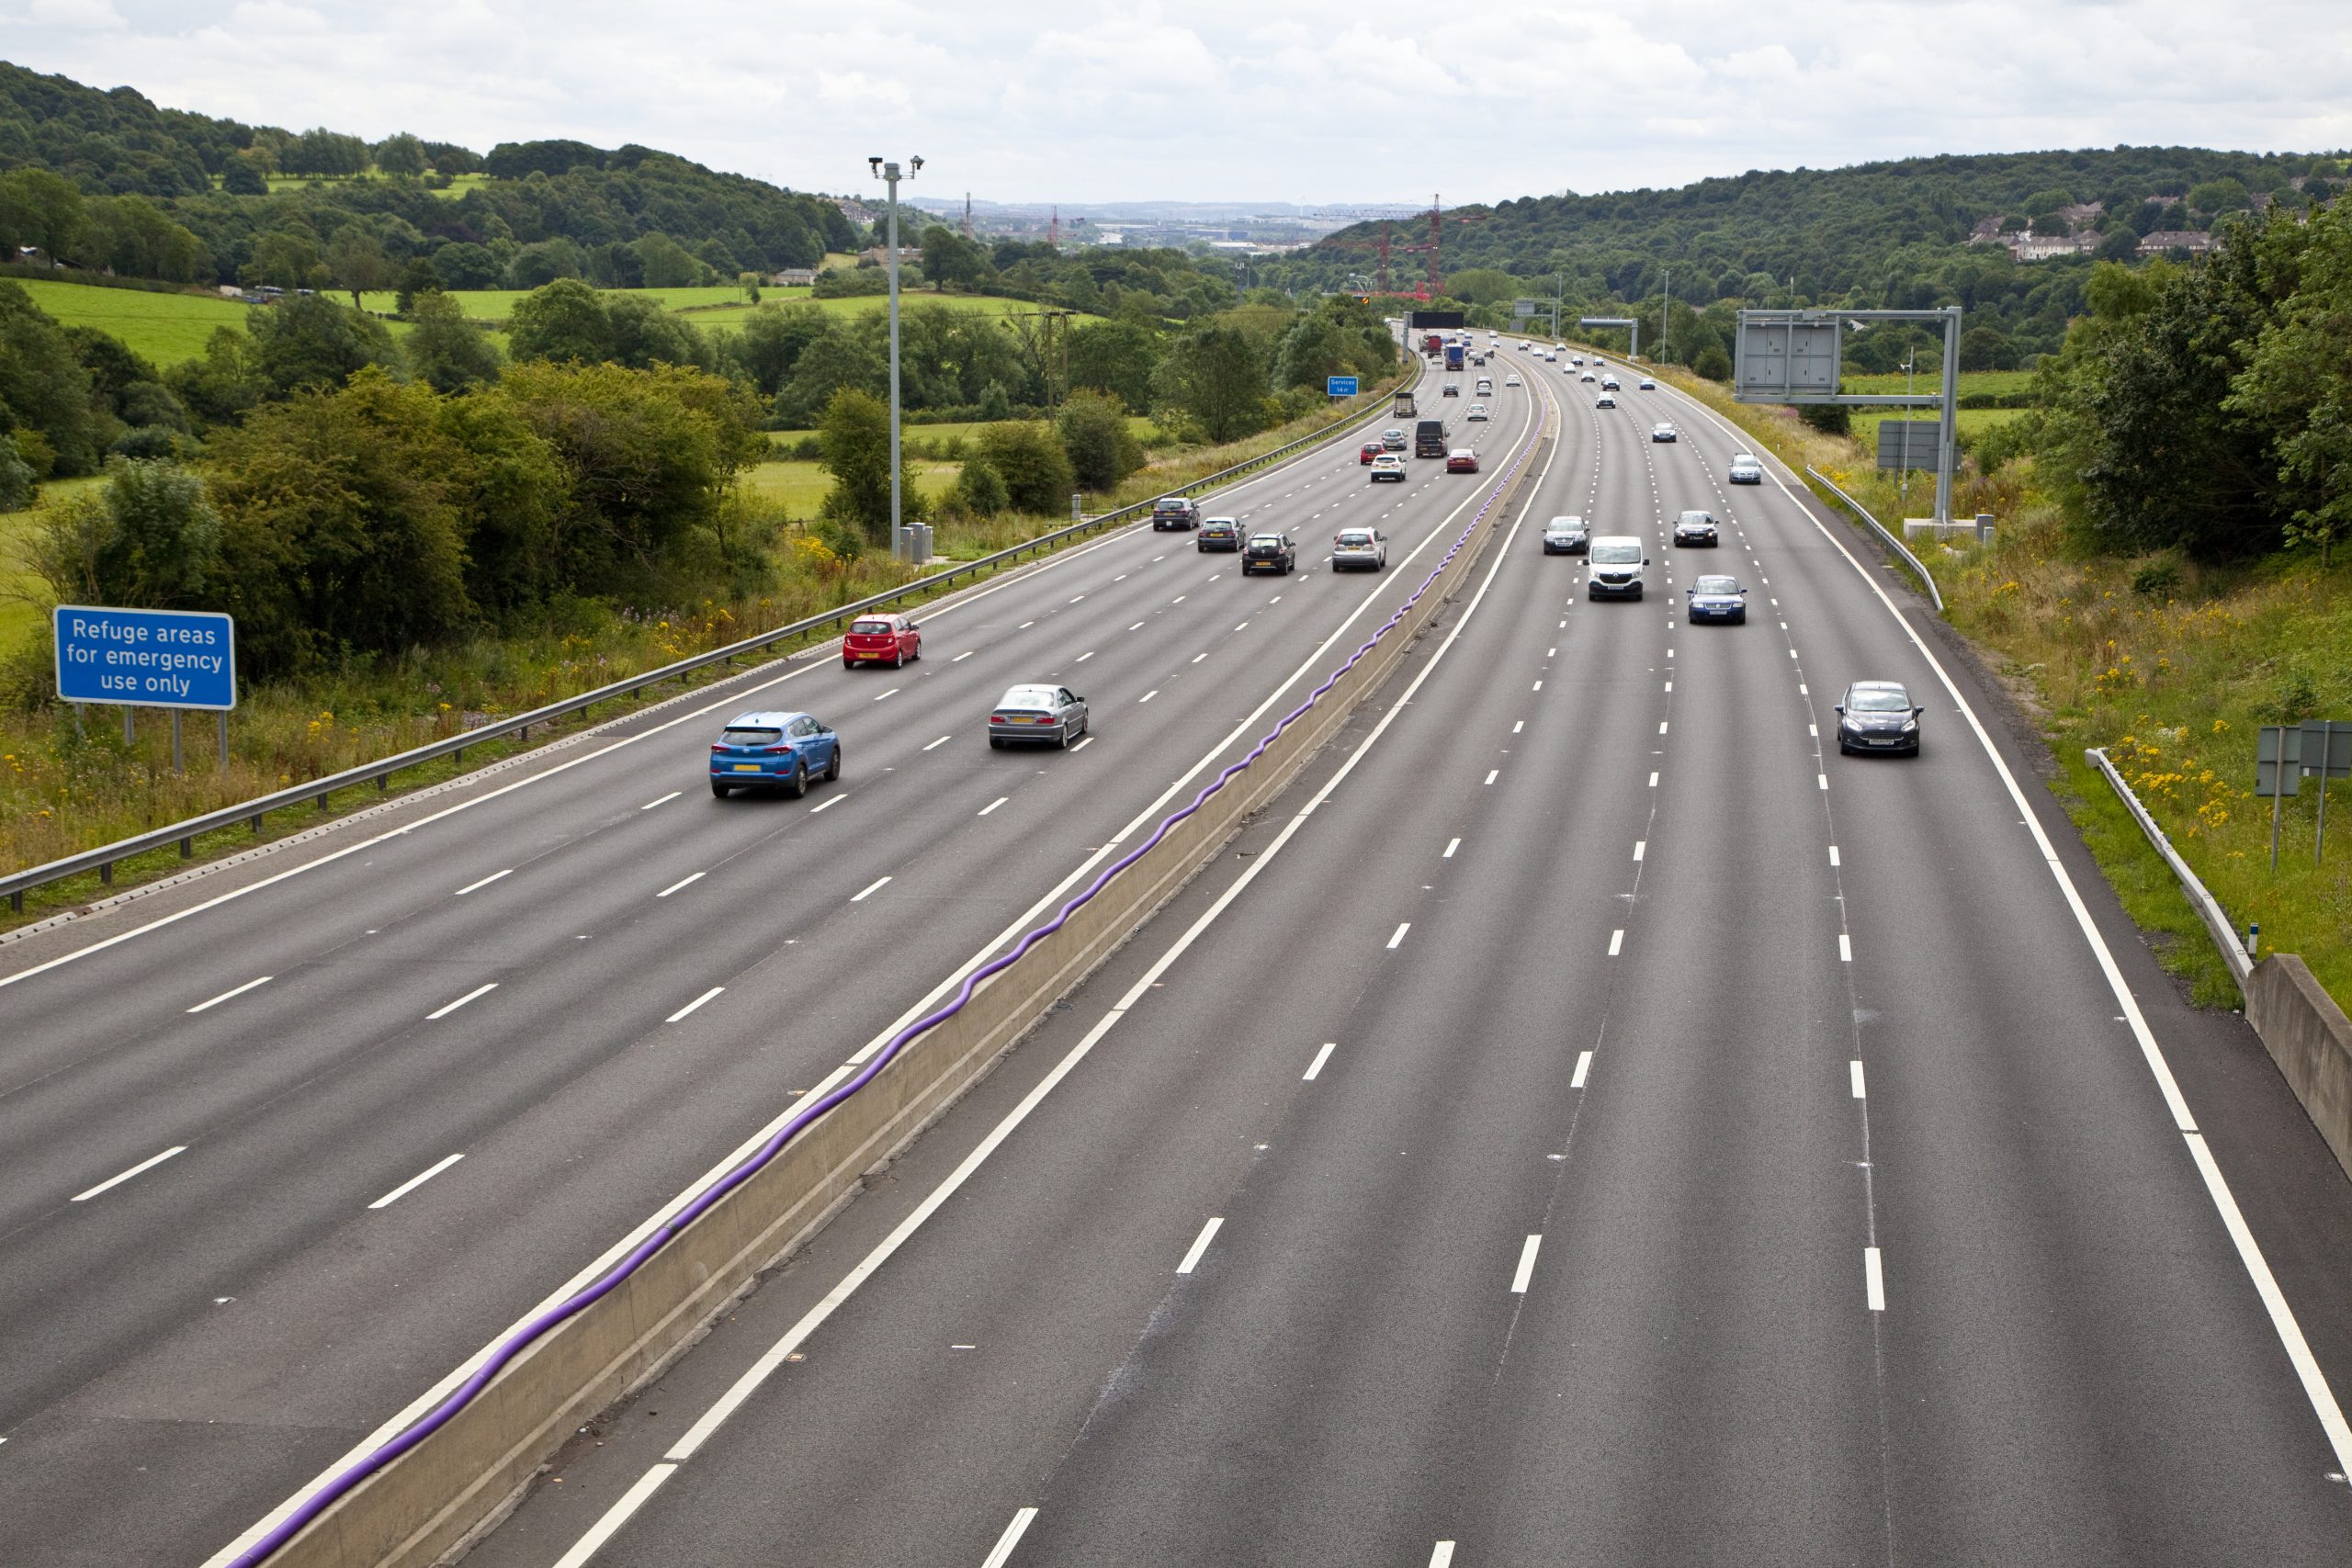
(162, 658)
(1340, 386)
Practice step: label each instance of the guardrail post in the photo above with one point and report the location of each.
(17, 903)
(105, 872)
(188, 848)
(383, 782)
(257, 817)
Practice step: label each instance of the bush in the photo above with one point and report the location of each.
(16, 481)
(147, 441)
(2158, 579)
(1830, 419)
(1029, 459)
(979, 490)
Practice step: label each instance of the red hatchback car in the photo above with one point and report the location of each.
(881, 639)
(1371, 449)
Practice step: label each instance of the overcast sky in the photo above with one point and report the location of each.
(1310, 101)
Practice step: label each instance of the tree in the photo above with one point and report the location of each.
(560, 320)
(357, 259)
(1987, 348)
(45, 390)
(1028, 455)
(771, 339)
(667, 264)
(537, 264)
(40, 208)
(219, 386)
(418, 276)
(948, 257)
(855, 433)
(2213, 198)
(1712, 362)
(309, 341)
(2298, 382)
(1116, 357)
(1093, 431)
(443, 349)
(162, 539)
(646, 333)
(242, 175)
(16, 482)
(979, 490)
(1213, 375)
(129, 235)
(285, 258)
(401, 153)
(464, 264)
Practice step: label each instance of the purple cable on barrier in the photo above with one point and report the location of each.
(433, 1420)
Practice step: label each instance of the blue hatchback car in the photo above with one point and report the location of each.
(774, 749)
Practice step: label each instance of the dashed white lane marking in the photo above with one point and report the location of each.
(1823, 779)
(1653, 781)
(1640, 845)
(1316, 1067)
(1198, 657)
(1519, 725)
(1201, 1244)
(1801, 690)
(1493, 773)
(1845, 948)
(1080, 596)
(1583, 1066)
(1661, 727)
(469, 996)
(1148, 695)
(1616, 941)
(145, 1165)
(1084, 741)
(237, 991)
(992, 804)
(1442, 1556)
(614, 1517)
(1669, 685)
(1087, 655)
(1873, 1280)
(869, 891)
(687, 882)
(1526, 1265)
(1833, 854)
(1539, 685)
(680, 1014)
(485, 882)
(1399, 936)
(1024, 625)
(1001, 1552)
(1854, 1070)
(891, 693)
(663, 801)
(941, 741)
(1180, 599)
(828, 804)
(414, 1182)
(1450, 845)
(962, 656)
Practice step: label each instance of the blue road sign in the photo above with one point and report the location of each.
(158, 659)
(1340, 386)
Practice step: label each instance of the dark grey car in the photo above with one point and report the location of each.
(1878, 716)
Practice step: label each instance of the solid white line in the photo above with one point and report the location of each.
(1321, 1056)
(893, 692)
(1616, 941)
(689, 882)
(941, 741)
(690, 1007)
(1873, 1280)
(1833, 854)
(828, 804)
(1639, 845)
(1001, 1552)
(1583, 1066)
(1442, 1557)
(224, 996)
(876, 888)
(414, 1182)
(1400, 933)
(1526, 1265)
(1148, 697)
(1450, 845)
(663, 801)
(604, 1528)
(1845, 948)
(469, 996)
(148, 1163)
(1854, 1071)
(992, 804)
(1201, 1244)
(1493, 773)
(485, 882)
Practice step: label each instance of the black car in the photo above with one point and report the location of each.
(1695, 528)
(1218, 534)
(1269, 552)
(1175, 511)
(1878, 716)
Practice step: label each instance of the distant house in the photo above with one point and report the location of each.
(2040, 247)
(908, 255)
(794, 277)
(855, 211)
(2190, 240)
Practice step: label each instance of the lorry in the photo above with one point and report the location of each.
(1404, 404)
(1432, 343)
(1453, 357)
(1428, 439)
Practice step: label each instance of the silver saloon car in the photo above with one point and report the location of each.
(1053, 714)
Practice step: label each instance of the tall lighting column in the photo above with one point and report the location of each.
(888, 173)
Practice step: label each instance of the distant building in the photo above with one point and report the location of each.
(794, 277)
(2190, 240)
(2040, 247)
(855, 211)
(908, 255)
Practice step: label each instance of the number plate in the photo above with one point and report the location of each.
(746, 767)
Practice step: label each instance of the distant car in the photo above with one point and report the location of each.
(1604, 402)
(1565, 536)
(1511, 380)
(1392, 441)
(1577, 360)
(1609, 384)
(1486, 387)
(1218, 534)
(764, 749)
(1269, 552)
(1388, 466)
(1462, 461)
(1368, 451)
(1645, 385)
(1550, 358)
(1588, 376)
(1037, 713)
(881, 639)
(1175, 511)
(1665, 433)
(1696, 528)
(1717, 599)
(1360, 549)
(1878, 716)
(1449, 390)
(1745, 469)
(1477, 411)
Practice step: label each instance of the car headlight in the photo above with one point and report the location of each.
(1910, 727)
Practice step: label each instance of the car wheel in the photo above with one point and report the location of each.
(898, 660)
(799, 785)
(833, 764)
(849, 663)
(996, 742)
(718, 789)
(917, 654)
(1844, 750)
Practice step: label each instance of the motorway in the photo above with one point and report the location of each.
(1585, 1119)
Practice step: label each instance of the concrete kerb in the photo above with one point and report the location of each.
(419, 1509)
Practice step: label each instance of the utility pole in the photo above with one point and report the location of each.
(888, 173)
(1665, 320)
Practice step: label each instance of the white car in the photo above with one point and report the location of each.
(1588, 376)
(1647, 385)
(1609, 384)
(1388, 466)
(1477, 411)
(1360, 548)
(1510, 381)
(1604, 402)
(1745, 470)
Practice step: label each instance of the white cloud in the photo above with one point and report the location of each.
(1315, 101)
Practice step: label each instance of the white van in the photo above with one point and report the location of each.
(1613, 567)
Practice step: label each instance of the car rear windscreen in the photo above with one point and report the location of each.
(751, 737)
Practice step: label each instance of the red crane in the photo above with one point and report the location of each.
(1436, 284)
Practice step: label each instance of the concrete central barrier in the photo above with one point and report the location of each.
(415, 1509)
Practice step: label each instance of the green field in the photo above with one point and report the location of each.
(801, 486)
(1999, 382)
(163, 328)
(1139, 425)
(1972, 421)
(18, 617)
(718, 308)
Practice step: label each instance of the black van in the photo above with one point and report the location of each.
(1428, 439)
